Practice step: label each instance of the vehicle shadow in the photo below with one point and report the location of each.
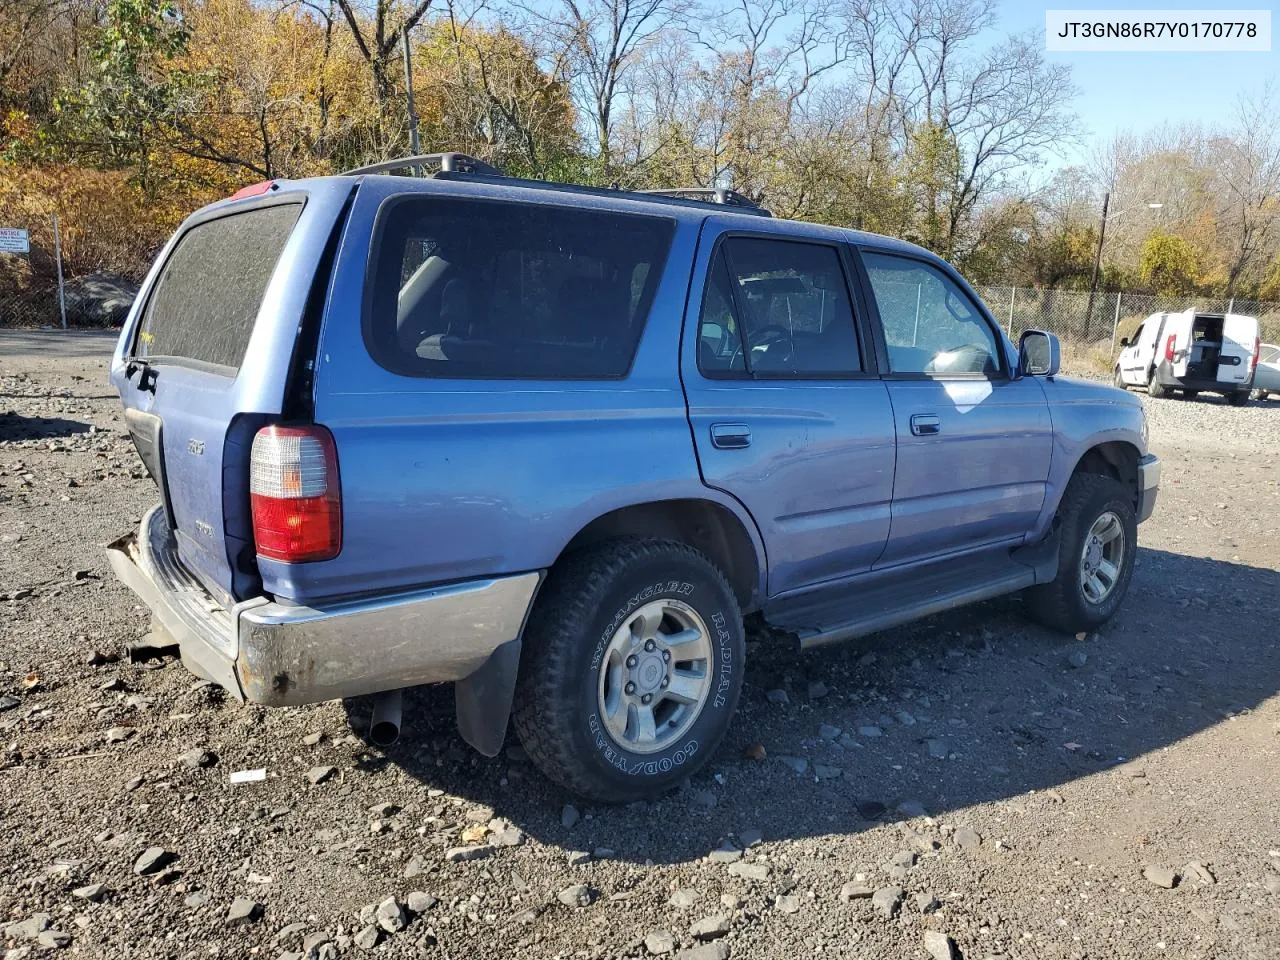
(17, 427)
(970, 707)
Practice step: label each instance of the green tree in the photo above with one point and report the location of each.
(1169, 264)
(120, 115)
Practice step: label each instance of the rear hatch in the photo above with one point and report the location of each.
(1239, 341)
(207, 357)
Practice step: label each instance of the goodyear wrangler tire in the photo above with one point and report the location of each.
(630, 670)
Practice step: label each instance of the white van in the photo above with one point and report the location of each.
(1191, 352)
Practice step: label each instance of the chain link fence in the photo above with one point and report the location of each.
(1091, 335)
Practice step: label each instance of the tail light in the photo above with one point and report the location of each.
(1169, 346)
(1257, 353)
(295, 494)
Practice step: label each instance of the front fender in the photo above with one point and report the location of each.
(1085, 416)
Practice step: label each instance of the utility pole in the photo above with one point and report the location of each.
(408, 86)
(1097, 262)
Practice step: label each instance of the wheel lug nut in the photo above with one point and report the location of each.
(646, 698)
(630, 687)
(631, 661)
(666, 656)
(666, 682)
(649, 645)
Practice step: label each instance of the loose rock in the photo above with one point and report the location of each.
(750, 871)
(152, 860)
(569, 816)
(967, 838)
(660, 942)
(368, 937)
(197, 758)
(243, 910)
(579, 895)
(855, 891)
(940, 946)
(93, 892)
(419, 902)
(683, 899)
(318, 775)
(1165, 877)
(778, 697)
(390, 915)
(786, 903)
(708, 951)
(53, 939)
(1198, 873)
(460, 854)
(710, 928)
(799, 765)
(887, 900)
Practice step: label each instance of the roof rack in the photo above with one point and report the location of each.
(711, 195)
(448, 163)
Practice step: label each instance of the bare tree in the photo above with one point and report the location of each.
(602, 42)
(1247, 165)
(376, 30)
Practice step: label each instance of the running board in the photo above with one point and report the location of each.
(891, 600)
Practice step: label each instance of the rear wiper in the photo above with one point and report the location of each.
(147, 381)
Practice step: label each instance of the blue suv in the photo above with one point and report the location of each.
(551, 443)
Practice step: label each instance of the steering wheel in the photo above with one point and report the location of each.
(764, 337)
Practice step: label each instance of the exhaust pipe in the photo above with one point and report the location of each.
(384, 729)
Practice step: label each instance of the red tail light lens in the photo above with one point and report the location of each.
(295, 494)
(1257, 352)
(1169, 346)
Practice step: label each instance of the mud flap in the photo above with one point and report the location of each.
(483, 699)
(1041, 557)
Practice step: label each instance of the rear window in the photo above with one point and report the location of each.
(207, 297)
(476, 288)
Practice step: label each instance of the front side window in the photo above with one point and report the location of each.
(775, 308)
(930, 326)
(478, 288)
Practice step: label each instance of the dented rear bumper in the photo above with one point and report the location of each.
(279, 654)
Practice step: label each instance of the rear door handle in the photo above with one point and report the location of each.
(925, 424)
(730, 436)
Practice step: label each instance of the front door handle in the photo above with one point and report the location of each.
(730, 436)
(926, 424)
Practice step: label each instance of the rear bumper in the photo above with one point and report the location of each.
(1148, 485)
(280, 654)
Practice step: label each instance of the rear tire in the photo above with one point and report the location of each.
(602, 639)
(1085, 593)
(1239, 398)
(1190, 394)
(1156, 389)
(1118, 381)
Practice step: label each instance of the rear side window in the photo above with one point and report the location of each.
(208, 294)
(476, 288)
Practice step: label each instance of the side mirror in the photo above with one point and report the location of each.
(1039, 354)
(1124, 341)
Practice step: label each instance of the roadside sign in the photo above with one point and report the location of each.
(14, 240)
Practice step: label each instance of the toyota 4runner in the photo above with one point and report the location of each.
(551, 443)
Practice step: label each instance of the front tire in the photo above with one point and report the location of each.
(1098, 540)
(1117, 380)
(1239, 398)
(631, 668)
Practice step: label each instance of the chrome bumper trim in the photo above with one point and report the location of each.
(280, 654)
(1148, 485)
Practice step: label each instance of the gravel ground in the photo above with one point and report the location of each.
(970, 786)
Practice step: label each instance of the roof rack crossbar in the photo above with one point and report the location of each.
(720, 195)
(448, 163)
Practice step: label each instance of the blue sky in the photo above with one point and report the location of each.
(1141, 90)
